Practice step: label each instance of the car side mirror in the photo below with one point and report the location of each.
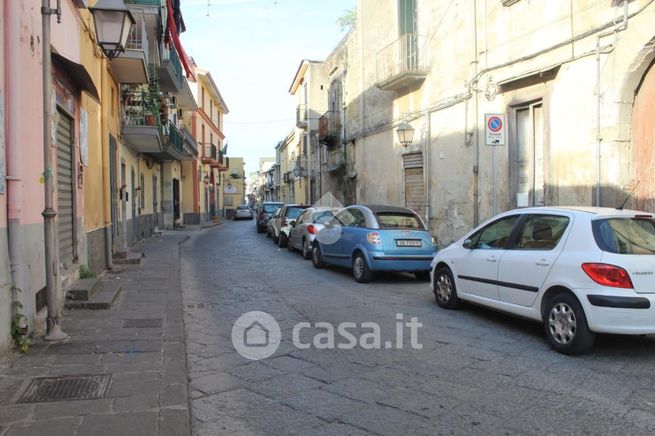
(468, 244)
(293, 223)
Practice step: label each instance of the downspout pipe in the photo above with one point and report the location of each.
(17, 262)
(599, 138)
(106, 177)
(426, 166)
(53, 329)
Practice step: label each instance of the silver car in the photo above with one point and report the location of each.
(305, 228)
(243, 212)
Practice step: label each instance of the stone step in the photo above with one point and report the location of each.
(102, 299)
(82, 289)
(131, 259)
(121, 254)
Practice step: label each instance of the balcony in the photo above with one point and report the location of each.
(335, 161)
(403, 63)
(141, 126)
(329, 128)
(301, 116)
(190, 140)
(210, 155)
(175, 147)
(171, 74)
(131, 66)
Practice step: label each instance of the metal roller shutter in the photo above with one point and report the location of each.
(414, 185)
(65, 200)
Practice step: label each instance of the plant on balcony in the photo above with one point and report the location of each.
(234, 174)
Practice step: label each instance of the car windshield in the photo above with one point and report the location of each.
(294, 212)
(625, 235)
(398, 220)
(271, 208)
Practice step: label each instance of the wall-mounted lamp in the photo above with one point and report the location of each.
(113, 22)
(405, 133)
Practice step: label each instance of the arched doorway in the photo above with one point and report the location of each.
(643, 140)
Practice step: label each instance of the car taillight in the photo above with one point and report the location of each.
(311, 229)
(608, 275)
(374, 238)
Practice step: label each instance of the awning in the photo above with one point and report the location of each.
(79, 74)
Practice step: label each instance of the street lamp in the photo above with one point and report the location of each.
(405, 133)
(113, 22)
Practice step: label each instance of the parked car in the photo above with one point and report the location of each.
(264, 212)
(282, 223)
(242, 212)
(271, 221)
(375, 238)
(579, 271)
(305, 228)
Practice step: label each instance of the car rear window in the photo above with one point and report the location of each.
(397, 220)
(625, 235)
(294, 212)
(271, 208)
(243, 207)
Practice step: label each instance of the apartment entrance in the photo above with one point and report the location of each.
(65, 190)
(414, 184)
(643, 120)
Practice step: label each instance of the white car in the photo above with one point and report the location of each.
(243, 212)
(580, 271)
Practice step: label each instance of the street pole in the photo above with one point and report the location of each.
(53, 329)
(426, 167)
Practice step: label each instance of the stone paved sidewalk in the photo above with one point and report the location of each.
(146, 364)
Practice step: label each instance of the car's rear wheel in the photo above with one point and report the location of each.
(282, 240)
(423, 276)
(306, 250)
(566, 325)
(361, 271)
(317, 257)
(445, 290)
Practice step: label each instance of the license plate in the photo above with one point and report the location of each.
(409, 243)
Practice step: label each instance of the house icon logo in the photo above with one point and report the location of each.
(256, 335)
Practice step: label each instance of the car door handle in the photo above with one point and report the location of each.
(491, 259)
(542, 263)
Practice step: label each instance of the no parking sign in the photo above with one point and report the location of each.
(495, 127)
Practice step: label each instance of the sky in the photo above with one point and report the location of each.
(252, 49)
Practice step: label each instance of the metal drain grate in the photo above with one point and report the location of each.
(86, 387)
(143, 323)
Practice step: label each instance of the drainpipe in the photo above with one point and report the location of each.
(599, 139)
(426, 167)
(17, 263)
(105, 181)
(476, 167)
(53, 329)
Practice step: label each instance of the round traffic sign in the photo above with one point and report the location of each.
(495, 124)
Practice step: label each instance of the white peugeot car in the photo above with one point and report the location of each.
(580, 271)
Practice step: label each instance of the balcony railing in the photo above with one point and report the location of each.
(138, 37)
(210, 152)
(170, 54)
(190, 140)
(402, 63)
(143, 2)
(139, 109)
(301, 116)
(329, 127)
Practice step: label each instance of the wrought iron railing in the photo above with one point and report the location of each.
(210, 152)
(138, 108)
(407, 54)
(329, 127)
(143, 2)
(170, 54)
(189, 139)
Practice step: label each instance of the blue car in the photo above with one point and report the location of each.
(375, 238)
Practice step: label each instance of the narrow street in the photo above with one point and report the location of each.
(478, 372)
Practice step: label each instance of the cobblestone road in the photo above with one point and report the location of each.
(477, 373)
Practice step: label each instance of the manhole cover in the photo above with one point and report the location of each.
(143, 323)
(87, 387)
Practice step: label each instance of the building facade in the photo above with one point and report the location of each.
(571, 82)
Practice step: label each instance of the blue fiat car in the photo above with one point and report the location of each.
(375, 238)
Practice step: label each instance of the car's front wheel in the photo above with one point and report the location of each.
(445, 290)
(361, 271)
(566, 325)
(282, 240)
